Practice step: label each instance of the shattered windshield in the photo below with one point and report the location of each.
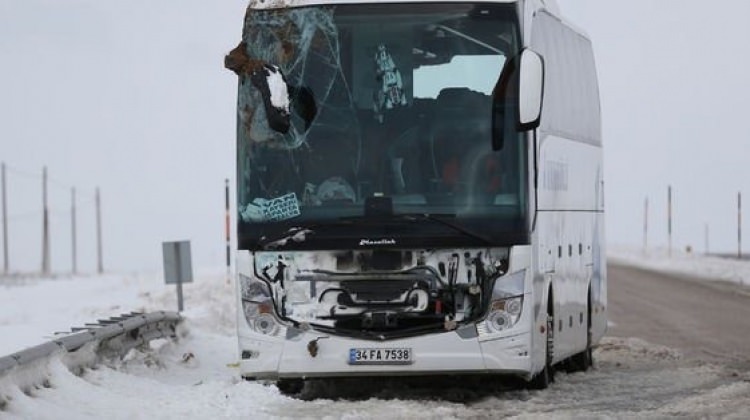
(339, 104)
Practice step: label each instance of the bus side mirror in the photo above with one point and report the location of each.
(517, 97)
(530, 90)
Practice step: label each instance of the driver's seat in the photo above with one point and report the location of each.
(460, 137)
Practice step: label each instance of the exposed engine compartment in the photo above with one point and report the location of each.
(381, 292)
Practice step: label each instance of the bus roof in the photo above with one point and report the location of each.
(550, 5)
(277, 4)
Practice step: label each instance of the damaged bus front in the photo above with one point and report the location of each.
(383, 191)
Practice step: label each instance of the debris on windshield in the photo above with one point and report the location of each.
(391, 90)
(239, 62)
(277, 71)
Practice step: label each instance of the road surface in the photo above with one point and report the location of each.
(704, 320)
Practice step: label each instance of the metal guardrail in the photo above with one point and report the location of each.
(86, 346)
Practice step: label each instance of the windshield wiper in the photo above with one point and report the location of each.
(300, 234)
(441, 219)
(295, 234)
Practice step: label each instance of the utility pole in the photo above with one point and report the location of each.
(74, 255)
(45, 225)
(226, 227)
(739, 225)
(99, 264)
(669, 218)
(707, 239)
(6, 267)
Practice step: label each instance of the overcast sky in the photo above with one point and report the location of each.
(675, 86)
(132, 96)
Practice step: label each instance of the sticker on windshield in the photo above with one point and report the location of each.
(273, 210)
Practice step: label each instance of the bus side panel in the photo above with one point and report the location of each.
(569, 237)
(570, 208)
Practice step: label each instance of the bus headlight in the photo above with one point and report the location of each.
(507, 302)
(504, 313)
(266, 324)
(257, 305)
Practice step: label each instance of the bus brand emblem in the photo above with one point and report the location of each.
(370, 242)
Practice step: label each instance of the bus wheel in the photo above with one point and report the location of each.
(582, 361)
(290, 386)
(544, 378)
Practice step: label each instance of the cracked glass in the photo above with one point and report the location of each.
(386, 100)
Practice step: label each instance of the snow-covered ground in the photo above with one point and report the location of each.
(680, 262)
(32, 309)
(196, 378)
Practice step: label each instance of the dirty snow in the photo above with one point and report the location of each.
(195, 377)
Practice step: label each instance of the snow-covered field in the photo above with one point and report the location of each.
(680, 262)
(195, 377)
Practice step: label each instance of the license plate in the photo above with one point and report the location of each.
(365, 356)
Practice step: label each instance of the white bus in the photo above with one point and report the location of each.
(420, 191)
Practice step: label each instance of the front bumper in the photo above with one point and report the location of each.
(434, 354)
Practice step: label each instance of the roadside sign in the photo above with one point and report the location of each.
(178, 266)
(177, 262)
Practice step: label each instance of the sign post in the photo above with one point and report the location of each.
(178, 266)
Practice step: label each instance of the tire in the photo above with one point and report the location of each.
(542, 380)
(582, 361)
(290, 386)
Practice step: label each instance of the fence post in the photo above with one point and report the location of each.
(645, 226)
(45, 225)
(74, 253)
(669, 218)
(99, 263)
(707, 239)
(739, 225)
(6, 264)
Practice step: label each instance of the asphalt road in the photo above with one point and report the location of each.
(703, 319)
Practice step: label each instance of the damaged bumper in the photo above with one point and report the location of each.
(293, 357)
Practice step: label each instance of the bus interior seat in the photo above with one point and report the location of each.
(461, 131)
